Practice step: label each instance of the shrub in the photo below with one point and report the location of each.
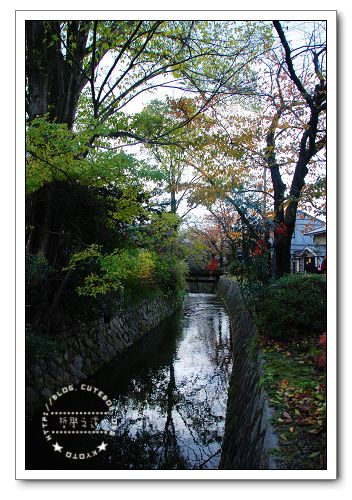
(39, 346)
(38, 273)
(294, 305)
(121, 271)
(170, 273)
(127, 273)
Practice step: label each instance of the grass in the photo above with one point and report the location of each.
(296, 388)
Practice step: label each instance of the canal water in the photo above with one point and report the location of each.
(168, 393)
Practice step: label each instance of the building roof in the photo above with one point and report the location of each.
(319, 230)
(302, 215)
(316, 250)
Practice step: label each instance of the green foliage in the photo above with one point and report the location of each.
(119, 271)
(37, 268)
(293, 306)
(53, 153)
(161, 234)
(196, 251)
(253, 347)
(87, 222)
(38, 273)
(252, 272)
(39, 346)
(154, 119)
(126, 272)
(128, 207)
(170, 273)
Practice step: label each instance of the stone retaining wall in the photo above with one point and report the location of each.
(84, 352)
(248, 433)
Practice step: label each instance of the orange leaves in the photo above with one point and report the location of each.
(283, 384)
(186, 109)
(297, 395)
(235, 235)
(302, 408)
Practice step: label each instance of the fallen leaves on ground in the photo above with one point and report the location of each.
(298, 400)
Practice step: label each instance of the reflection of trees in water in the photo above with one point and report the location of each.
(143, 439)
(171, 450)
(161, 425)
(188, 436)
(222, 357)
(214, 331)
(202, 413)
(202, 395)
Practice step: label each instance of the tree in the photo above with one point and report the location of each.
(73, 105)
(82, 74)
(283, 135)
(310, 82)
(176, 178)
(226, 177)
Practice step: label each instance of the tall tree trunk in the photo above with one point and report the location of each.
(172, 184)
(282, 240)
(54, 83)
(308, 147)
(173, 202)
(282, 246)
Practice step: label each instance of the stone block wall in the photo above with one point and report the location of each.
(248, 433)
(83, 353)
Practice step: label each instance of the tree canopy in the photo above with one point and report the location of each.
(234, 122)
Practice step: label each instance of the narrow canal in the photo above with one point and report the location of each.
(169, 395)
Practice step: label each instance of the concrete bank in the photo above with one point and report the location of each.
(248, 433)
(83, 353)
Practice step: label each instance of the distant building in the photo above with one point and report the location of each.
(308, 246)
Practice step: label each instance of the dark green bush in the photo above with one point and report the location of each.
(37, 268)
(38, 273)
(294, 305)
(170, 273)
(39, 346)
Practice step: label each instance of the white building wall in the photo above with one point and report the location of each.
(301, 240)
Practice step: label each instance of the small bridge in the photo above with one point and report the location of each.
(196, 277)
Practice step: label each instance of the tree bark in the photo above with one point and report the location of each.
(285, 217)
(54, 82)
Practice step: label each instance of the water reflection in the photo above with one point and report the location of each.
(170, 392)
(169, 396)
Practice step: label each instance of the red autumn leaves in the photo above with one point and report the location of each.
(321, 361)
(263, 245)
